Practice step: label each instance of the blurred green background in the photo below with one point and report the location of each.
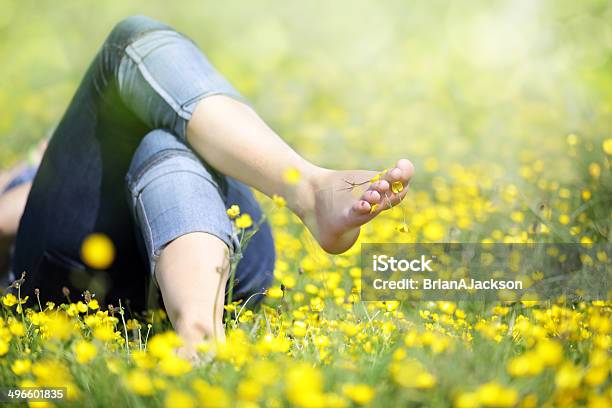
(351, 82)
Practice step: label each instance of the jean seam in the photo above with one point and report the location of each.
(150, 241)
(136, 59)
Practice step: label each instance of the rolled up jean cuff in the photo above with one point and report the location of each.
(173, 193)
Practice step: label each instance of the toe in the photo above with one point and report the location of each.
(371, 196)
(382, 186)
(395, 174)
(361, 207)
(407, 169)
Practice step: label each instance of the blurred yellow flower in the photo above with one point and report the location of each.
(279, 201)
(493, 394)
(98, 251)
(178, 399)
(163, 345)
(607, 146)
(433, 231)
(568, 376)
(292, 176)
(140, 382)
(85, 351)
(275, 292)
(359, 393)
(304, 386)
(21, 367)
(174, 366)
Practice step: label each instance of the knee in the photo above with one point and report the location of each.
(130, 27)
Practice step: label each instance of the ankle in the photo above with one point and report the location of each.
(302, 197)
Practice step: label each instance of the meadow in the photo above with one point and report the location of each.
(504, 107)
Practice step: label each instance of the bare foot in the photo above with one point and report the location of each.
(345, 200)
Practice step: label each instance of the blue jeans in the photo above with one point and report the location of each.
(119, 164)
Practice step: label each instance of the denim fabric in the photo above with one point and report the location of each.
(145, 81)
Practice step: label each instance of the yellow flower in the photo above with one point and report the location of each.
(104, 332)
(494, 395)
(586, 195)
(162, 345)
(317, 304)
(397, 187)
(359, 393)
(304, 386)
(244, 221)
(373, 208)
(98, 251)
(58, 326)
(233, 211)
(249, 390)
(275, 292)
(174, 366)
(279, 201)
(526, 365)
(410, 373)
(433, 231)
(17, 328)
(467, 400)
(595, 170)
(4, 346)
(607, 147)
(292, 176)
(378, 176)
(179, 399)
(299, 328)
(93, 304)
(550, 352)
(81, 307)
(210, 396)
(140, 382)
(85, 351)
(568, 376)
(596, 375)
(51, 373)
(404, 228)
(9, 300)
(21, 367)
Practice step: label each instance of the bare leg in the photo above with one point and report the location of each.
(191, 272)
(231, 137)
(12, 204)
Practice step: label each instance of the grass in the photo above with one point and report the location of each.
(505, 108)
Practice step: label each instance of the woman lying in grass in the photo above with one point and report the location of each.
(153, 148)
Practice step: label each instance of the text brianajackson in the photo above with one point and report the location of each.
(440, 284)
